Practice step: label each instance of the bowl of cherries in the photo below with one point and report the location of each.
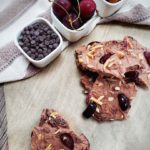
(74, 18)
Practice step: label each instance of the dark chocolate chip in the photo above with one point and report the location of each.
(25, 49)
(54, 35)
(40, 51)
(33, 50)
(37, 33)
(33, 42)
(57, 40)
(50, 46)
(29, 53)
(55, 45)
(67, 140)
(90, 110)
(21, 43)
(27, 32)
(123, 102)
(32, 56)
(41, 56)
(46, 42)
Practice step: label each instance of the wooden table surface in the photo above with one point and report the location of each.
(58, 87)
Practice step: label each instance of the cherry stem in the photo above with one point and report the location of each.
(70, 20)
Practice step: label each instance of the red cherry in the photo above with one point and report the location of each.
(68, 19)
(87, 8)
(60, 7)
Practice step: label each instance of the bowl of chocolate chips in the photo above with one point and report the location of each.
(39, 42)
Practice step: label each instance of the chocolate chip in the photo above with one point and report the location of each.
(50, 46)
(57, 40)
(55, 45)
(25, 48)
(33, 50)
(46, 42)
(20, 43)
(40, 51)
(37, 33)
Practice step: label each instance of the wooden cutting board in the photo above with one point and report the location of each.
(58, 87)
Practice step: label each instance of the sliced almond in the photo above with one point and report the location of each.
(80, 60)
(40, 137)
(87, 59)
(117, 88)
(90, 66)
(109, 63)
(100, 98)
(141, 56)
(110, 99)
(129, 43)
(97, 110)
(54, 114)
(49, 147)
(95, 47)
(90, 55)
(120, 54)
(100, 84)
(96, 101)
(88, 47)
(57, 131)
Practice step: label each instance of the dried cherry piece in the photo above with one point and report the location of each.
(104, 58)
(89, 111)
(147, 57)
(123, 101)
(131, 76)
(67, 140)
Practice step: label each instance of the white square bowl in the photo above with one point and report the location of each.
(50, 57)
(74, 35)
(106, 9)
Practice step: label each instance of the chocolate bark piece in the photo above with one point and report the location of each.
(54, 133)
(53, 118)
(105, 94)
(88, 57)
(115, 58)
(86, 82)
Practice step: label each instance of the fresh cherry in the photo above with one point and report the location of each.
(60, 7)
(71, 21)
(87, 8)
(147, 57)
